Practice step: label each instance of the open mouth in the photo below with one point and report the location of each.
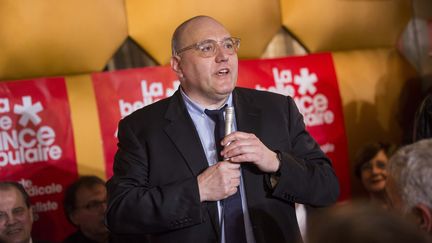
(222, 72)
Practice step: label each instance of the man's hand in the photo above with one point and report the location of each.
(246, 147)
(219, 181)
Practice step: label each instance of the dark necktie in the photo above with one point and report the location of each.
(232, 206)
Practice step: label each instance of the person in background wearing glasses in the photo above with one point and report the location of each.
(171, 183)
(16, 214)
(85, 205)
(371, 168)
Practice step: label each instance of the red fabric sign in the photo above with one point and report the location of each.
(37, 149)
(310, 80)
(120, 93)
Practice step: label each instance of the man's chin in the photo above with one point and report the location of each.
(15, 238)
(226, 91)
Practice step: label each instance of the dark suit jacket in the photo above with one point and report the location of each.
(154, 190)
(78, 237)
(40, 241)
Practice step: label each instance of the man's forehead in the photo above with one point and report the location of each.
(203, 28)
(11, 197)
(92, 192)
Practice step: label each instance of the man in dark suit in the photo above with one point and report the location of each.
(171, 183)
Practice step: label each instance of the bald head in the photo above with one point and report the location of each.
(189, 26)
(206, 75)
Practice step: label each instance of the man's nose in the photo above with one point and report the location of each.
(11, 220)
(221, 54)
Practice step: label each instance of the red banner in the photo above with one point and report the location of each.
(120, 93)
(310, 80)
(37, 149)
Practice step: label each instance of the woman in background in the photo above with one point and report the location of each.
(371, 168)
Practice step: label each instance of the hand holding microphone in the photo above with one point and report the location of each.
(247, 148)
(220, 180)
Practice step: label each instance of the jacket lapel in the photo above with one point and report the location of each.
(183, 134)
(248, 120)
(247, 114)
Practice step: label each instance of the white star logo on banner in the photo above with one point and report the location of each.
(306, 81)
(28, 111)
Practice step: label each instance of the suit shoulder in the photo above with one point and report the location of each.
(261, 95)
(155, 111)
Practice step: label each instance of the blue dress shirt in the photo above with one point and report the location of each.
(205, 128)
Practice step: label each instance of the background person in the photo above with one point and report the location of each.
(171, 183)
(361, 222)
(409, 183)
(16, 214)
(371, 168)
(85, 205)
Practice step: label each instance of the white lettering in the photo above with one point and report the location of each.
(4, 105)
(30, 155)
(320, 102)
(328, 147)
(127, 108)
(7, 140)
(318, 118)
(44, 190)
(5, 123)
(45, 207)
(307, 104)
(55, 152)
(3, 159)
(169, 92)
(284, 76)
(45, 135)
(13, 160)
(155, 89)
(26, 138)
(328, 117)
(21, 138)
(304, 104)
(25, 183)
(151, 92)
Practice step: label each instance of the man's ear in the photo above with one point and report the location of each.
(175, 66)
(424, 217)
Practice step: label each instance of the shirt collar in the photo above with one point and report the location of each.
(193, 106)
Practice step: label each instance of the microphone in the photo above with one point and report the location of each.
(229, 113)
(229, 116)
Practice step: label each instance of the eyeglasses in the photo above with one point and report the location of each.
(93, 205)
(16, 212)
(208, 48)
(369, 165)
